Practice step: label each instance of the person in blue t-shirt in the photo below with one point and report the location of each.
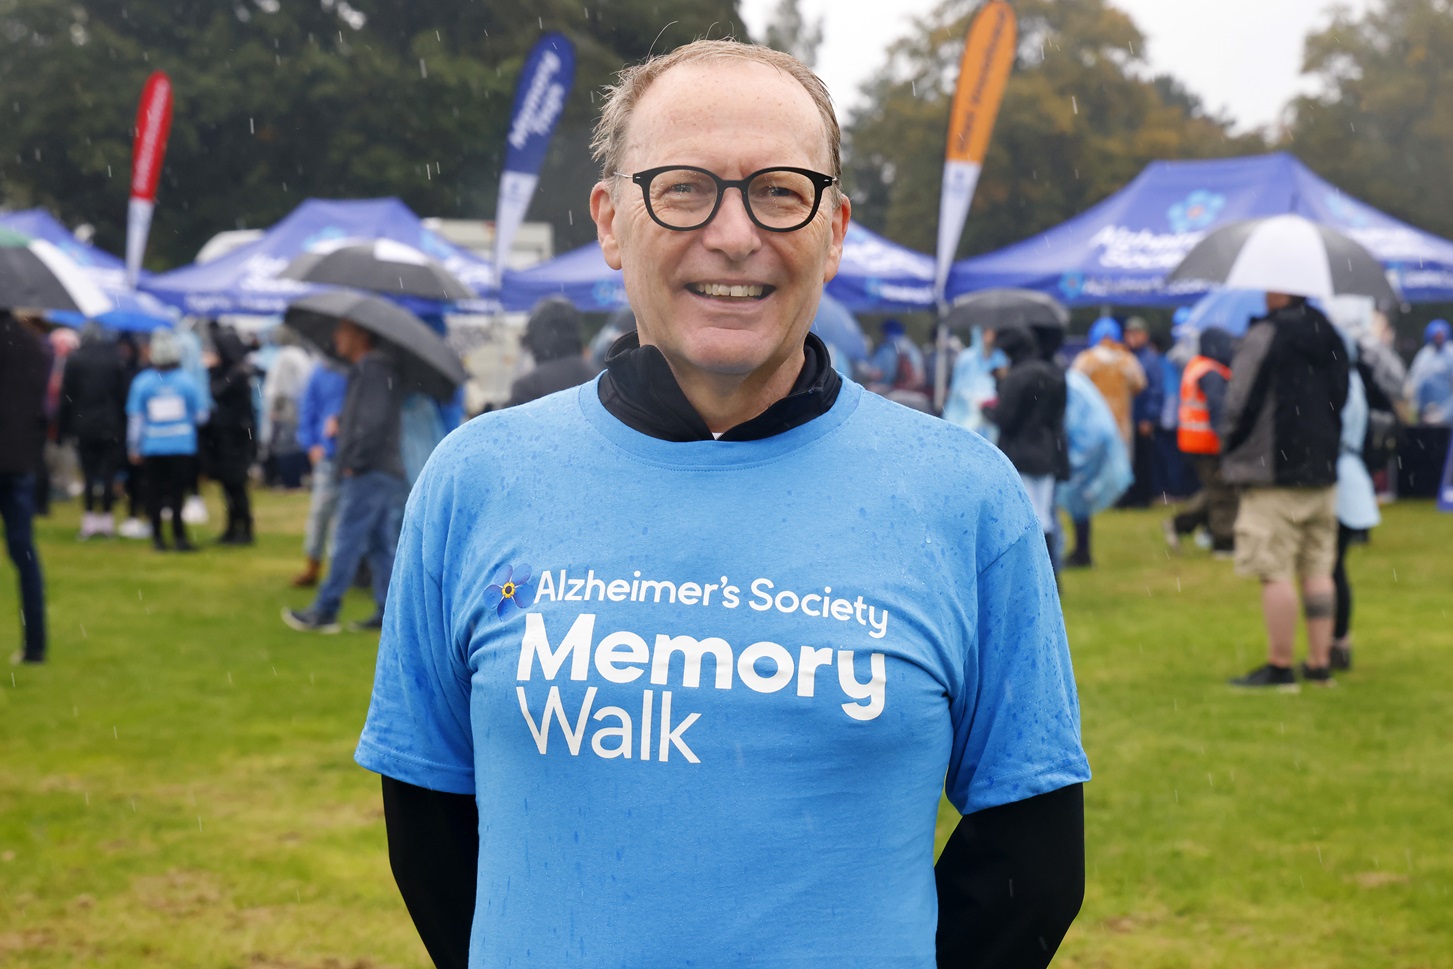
(677, 664)
(163, 409)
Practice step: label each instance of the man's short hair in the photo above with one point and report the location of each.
(609, 143)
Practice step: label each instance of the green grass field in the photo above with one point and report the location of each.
(177, 786)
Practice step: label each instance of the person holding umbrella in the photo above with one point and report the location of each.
(1281, 433)
(372, 487)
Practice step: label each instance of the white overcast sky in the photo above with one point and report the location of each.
(1242, 57)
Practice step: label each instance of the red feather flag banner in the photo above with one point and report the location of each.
(148, 150)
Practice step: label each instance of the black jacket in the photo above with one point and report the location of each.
(1283, 421)
(93, 393)
(370, 424)
(561, 373)
(1030, 411)
(24, 372)
(231, 385)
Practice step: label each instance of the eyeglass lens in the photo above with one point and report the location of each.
(684, 198)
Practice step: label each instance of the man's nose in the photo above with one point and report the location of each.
(732, 232)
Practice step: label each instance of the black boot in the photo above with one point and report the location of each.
(229, 537)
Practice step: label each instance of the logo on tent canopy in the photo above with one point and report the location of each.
(1072, 284)
(608, 294)
(1195, 211)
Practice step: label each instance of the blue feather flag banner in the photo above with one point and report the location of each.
(540, 96)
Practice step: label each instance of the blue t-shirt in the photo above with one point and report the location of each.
(707, 694)
(168, 404)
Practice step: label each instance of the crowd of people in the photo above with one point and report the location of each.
(1209, 420)
(140, 421)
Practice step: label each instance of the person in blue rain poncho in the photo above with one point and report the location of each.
(974, 383)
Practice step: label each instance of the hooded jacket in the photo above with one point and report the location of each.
(93, 392)
(553, 338)
(1283, 418)
(231, 385)
(1030, 411)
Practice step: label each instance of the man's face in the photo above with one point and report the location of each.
(732, 119)
(1135, 339)
(349, 340)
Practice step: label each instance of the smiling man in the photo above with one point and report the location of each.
(676, 665)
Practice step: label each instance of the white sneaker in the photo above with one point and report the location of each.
(105, 525)
(134, 528)
(194, 512)
(88, 526)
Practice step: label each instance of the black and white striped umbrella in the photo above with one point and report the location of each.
(1285, 254)
(36, 275)
(380, 266)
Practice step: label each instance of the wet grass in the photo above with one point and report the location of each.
(177, 786)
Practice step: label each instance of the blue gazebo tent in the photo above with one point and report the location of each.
(875, 276)
(245, 281)
(1120, 250)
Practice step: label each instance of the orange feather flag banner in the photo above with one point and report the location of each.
(983, 73)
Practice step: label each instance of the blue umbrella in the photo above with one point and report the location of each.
(134, 312)
(1231, 310)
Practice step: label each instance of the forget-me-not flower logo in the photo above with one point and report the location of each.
(1072, 284)
(1195, 211)
(511, 591)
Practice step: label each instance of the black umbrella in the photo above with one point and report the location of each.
(999, 309)
(36, 275)
(1285, 254)
(425, 363)
(381, 266)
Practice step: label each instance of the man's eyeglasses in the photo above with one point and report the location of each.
(683, 198)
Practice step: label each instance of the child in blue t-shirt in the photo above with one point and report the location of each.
(163, 409)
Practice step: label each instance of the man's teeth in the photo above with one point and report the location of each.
(721, 289)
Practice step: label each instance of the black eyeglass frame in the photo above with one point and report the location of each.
(819, 181)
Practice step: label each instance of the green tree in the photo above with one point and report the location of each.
(1381, 124)
(793, 33)
(1079, 119)
(276, 102)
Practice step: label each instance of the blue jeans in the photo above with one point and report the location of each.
(370, 513)
(17, 506)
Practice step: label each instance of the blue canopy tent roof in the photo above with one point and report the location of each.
(131, 310)
(245, 281)
(1120, 250)
(875, 276)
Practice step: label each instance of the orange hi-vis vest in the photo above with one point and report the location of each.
(1195, 435)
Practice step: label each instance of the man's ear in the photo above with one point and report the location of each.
(603, 213)
(840, 218)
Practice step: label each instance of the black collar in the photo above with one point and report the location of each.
(639, 390)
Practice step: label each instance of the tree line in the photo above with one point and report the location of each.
(276, 102)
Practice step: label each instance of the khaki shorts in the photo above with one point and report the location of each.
(1282, 533)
